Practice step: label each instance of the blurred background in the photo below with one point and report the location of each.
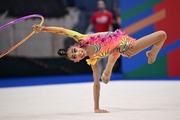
(36, 61)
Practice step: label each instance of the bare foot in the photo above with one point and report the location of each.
(101, 111)
(151, 57)
(105, 77)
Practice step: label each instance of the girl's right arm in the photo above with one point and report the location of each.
(96, 89)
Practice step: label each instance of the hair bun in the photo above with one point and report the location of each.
(61, 52)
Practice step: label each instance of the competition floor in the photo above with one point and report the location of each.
(126, 100)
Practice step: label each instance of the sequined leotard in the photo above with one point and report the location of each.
(116, 41)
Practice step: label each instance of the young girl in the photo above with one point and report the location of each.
(99, 45)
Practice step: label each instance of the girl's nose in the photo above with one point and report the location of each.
(79, 53)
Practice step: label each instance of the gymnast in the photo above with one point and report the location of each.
(105, 44)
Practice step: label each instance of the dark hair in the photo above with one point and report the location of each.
(63, 52)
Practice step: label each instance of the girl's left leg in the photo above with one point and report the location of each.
(156, 39)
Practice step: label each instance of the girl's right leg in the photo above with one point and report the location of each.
(156, 39)
(109, 66)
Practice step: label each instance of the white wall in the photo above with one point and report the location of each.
(39, 45)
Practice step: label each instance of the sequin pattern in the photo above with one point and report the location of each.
(109, 42)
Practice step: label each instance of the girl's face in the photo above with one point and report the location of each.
(75, 53)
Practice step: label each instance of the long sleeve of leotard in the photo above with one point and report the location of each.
(78, 37)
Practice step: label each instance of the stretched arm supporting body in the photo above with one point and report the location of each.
(96, 89)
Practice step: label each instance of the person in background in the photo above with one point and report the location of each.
(101, 21)
(117, 19)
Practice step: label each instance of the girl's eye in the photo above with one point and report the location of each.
(75, 50)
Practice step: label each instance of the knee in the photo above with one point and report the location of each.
(162, 35)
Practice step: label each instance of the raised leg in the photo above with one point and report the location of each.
(156, 39)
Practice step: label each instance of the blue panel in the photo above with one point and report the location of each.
(32, 81)
(139, 59)
(137, 17)
(169, 48)
(143, 32)
(126, 5)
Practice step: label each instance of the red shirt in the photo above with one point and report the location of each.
(102, 20)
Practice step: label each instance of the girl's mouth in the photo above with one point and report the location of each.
(82, 54)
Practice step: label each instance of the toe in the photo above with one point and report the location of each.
(104, 80)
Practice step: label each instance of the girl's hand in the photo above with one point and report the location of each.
(100, 111)
(37, 28)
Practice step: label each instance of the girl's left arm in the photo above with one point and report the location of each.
(78, 37)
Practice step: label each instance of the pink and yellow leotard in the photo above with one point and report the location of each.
(109, 43)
